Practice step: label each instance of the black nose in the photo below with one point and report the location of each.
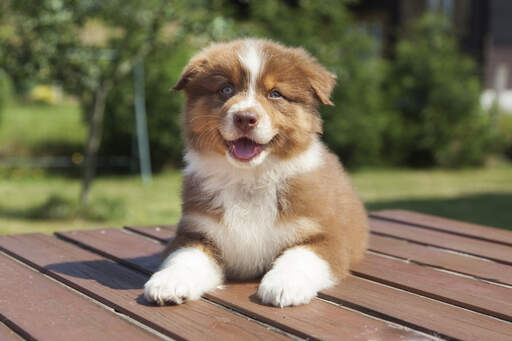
(245, 121)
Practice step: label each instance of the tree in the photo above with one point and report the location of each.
(87, 46)
(435, 91)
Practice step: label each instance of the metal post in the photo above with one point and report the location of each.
(140, 120)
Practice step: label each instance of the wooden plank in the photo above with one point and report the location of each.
(480, 248)
(162, 234)
(6, 333)
(330, 322)
(418, 312)
(491, 234)
(445, 319)
(121, 289)
(45, 310)
(441, 258)
(464, 292)
(158, 232)
(458, 290)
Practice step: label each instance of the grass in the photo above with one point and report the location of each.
(32, 200)
(115, 201)
(28, 129)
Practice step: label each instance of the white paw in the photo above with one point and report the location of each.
(186, 275)
(282, 290)
(295, 278)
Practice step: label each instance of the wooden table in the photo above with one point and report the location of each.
(423, 277)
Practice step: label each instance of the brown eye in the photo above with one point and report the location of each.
(275, 94)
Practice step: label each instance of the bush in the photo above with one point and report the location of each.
(434, 91)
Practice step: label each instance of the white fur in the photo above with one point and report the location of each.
(253, 61)
(249, 236)
(185, 275)
(295, 278)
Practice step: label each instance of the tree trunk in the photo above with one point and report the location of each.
(94, 139)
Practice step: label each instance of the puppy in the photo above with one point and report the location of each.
(262, 195)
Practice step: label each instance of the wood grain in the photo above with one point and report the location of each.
(162, 233)
(121, 289)
(46, 310)
(441, 258)
(448, 320)
(330, 322)
(418, 312)
(480, 248)
(465, 292)
(491, 234)
(461, 291)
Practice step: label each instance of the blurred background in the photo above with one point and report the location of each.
(90, 136)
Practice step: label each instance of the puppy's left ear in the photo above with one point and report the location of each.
(322, 82)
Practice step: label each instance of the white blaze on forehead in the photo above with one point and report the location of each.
(252, 60)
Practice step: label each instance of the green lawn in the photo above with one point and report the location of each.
(480, 195)
(37, 129)
(33, 200)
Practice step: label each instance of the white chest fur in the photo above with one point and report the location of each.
(249, 236)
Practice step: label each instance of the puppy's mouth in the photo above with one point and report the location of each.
(244, 149)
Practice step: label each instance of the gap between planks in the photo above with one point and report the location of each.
(208, 297)
(220, 306)
(26, 335)
(445, 299)
(120, 259)
(454, 227)
(87, 290)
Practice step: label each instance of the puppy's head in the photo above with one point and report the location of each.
(248, 99)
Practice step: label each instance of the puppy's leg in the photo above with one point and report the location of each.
(189, 271)
(296, 276)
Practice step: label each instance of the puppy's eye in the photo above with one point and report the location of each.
(227, 91)
(275, 94)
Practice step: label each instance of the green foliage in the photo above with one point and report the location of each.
(435, 92)
(419, 109)
(5, 91)
(505, 132)
(162, 70)
(353, 128)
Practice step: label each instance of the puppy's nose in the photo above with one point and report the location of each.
(246, 120)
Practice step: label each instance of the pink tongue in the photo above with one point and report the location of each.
(245, 149)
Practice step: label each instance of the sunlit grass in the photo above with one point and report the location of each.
(29, 128)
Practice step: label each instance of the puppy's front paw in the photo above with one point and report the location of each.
(171, 286)
(283, 290)
(296, 277)
(186, 275)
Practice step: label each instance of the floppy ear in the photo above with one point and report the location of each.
(322, 83)
(185, 77)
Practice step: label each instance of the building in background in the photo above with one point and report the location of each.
(483, 29)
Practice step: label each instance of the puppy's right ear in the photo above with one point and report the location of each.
(185, 78)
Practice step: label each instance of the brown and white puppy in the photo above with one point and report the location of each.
(262, 195)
